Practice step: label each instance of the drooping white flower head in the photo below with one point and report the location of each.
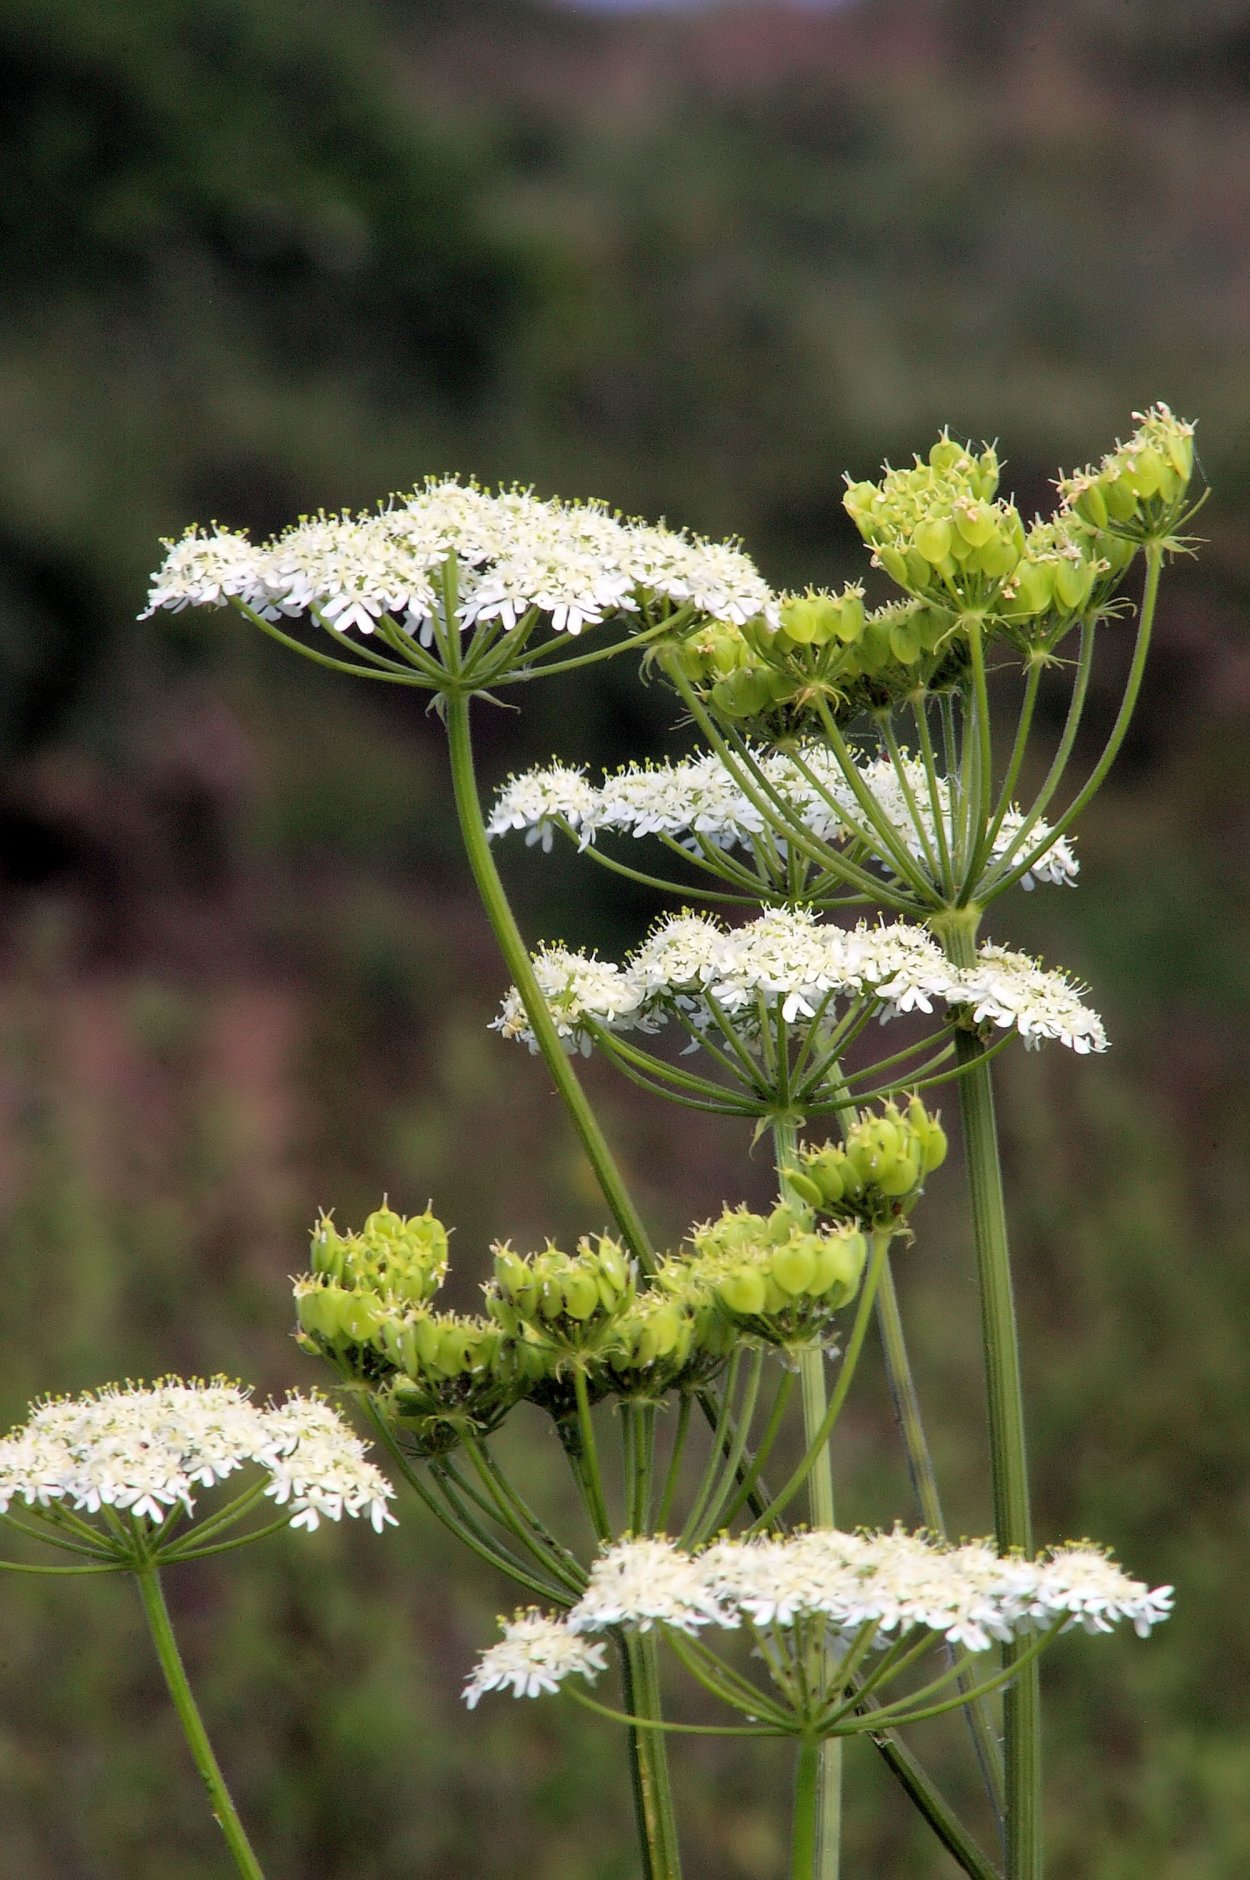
(145, 1449)
(535, 1654)
(573, 564)
(696, 798)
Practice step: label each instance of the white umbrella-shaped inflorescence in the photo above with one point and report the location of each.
(145, 1450)
(574, 564)
(695, 800)
(788, 958)
(872, 1588)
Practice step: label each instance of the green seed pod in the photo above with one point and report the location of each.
(905, 642)
(901, 1173)
(581, 1295)
(744, 694)
(849, 620)
(743, 1291)
(1146, 472)
(1074, 581)
(975, 523)
(1120, 498)
(318, 1311)
(998, 557)
(895, 565)
(802, 621)
(840, 1267)
(1091, 506)
(360, 1316)
(794, 1265)
(1035, 587)
(932, 540)
(804, 1187)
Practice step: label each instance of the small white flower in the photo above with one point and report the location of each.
(535, 1655)
(576, 987)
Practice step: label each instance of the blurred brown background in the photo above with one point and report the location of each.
(260, 257)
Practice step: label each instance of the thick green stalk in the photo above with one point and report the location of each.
(157, 1613)
(827, 1851)
(924, 1483)
(803, 1847)
(1022, 1742)
(517, 959)
(653, 1789)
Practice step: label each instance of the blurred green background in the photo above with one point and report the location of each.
(261, 256)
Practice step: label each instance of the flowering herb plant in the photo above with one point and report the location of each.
(830, 851)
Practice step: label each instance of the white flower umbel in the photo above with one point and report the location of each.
(1010, 989)
(535, 1654)
(695, 800)
(896, 1583)
(144, 1450)
(789, 958)
(573, 564)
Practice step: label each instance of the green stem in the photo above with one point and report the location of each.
(906, 1402)
(516, 957)
(826, 1853)
(653, 1789)
(157, 1613)
(804, 1847)
(1022, 1742)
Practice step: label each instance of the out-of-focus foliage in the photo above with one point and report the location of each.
(261, 256)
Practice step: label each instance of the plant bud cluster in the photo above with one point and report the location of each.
(368, 1307)
(776, 1276)
(966, 563)
(827, 647)
(878, 1173)
(1140, 490)
(552, 1318)
(398, 1258)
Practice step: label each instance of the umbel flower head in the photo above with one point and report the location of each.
(695, 969)
(864, 1590)
(515, 560)
(696, 803)
(147, 1451)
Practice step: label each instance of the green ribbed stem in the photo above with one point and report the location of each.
(826, 1859)
(1022, 1737)
(517, 959)
(157, 1614)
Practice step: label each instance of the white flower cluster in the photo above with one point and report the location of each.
(576, 564)
(893, 1584)
(144, 1450)
(696, 799)
(789, 958)
(535, 1654)
(1009, 989)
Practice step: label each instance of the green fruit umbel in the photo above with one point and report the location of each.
(876, 1175)
(776, 1276)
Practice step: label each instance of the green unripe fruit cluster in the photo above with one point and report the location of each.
(879, 1171)
(435, 1347)
(774, 1275)
(399, 1258)
(556, 1305)
(1140, 488)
